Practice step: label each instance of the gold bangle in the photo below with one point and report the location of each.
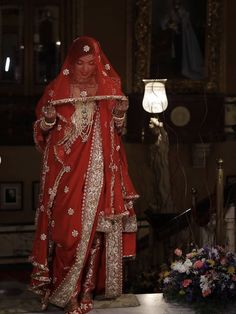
(51, 124)
(45, 126)
(119, 118)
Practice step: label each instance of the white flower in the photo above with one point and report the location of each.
(178, 266)
(51, 92)
(107, 66)
(200, 251)
(75, 233)
(70, 211)
(86, 48)
(83, 93)
(214, 253)
(167, 280)
(66, 189)
(118, 147)
(53, 223)
(43, 236)
(205, 284)
(59, 127)
(187, 265)
(66, 72)
(188, 262)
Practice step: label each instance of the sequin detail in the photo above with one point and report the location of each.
(107, 66)
(70, 211)
(43, 237)
(114, 254)
(66, 189)
(74, 233)
(83, 93)
(86, 48)
(66, 72)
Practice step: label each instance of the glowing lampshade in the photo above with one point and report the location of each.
(154, 99)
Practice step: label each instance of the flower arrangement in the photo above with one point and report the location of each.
(204, 274)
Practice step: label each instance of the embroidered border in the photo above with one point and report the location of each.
(114, 271)
(93, 187)
(86, 99)
(129, 223)
(112, 166)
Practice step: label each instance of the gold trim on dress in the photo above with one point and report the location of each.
(93, 187)
(114, 271)
(76, 100)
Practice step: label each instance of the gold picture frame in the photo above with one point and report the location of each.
(213, 66)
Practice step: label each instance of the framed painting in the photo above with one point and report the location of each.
(179, 40)
(11, 195)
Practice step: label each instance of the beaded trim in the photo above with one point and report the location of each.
(114, 272)
(93, 186)
(83, 120)
(74, 100)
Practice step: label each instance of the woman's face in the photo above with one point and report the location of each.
(85, 67)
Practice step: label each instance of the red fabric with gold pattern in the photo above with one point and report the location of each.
(67, 159)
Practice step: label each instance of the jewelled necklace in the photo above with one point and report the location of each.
(82, 119)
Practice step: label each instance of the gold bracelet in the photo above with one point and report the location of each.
(45, 126)
(119, 118)
(51, 124)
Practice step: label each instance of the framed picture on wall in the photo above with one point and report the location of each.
(11, 195)
(35, 194)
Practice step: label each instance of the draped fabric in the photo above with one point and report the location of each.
(85, 186)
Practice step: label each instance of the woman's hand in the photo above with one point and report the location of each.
(49, 117)
(119, 113)
(49, 113)
(121, 107)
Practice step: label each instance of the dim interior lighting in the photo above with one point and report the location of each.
(7, 64)
(58, 43)
(155, 99)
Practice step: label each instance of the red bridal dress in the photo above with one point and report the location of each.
(85, 221)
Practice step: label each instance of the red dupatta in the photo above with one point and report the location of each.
(118, 191)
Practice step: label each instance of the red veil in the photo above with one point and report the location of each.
(85, 186)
